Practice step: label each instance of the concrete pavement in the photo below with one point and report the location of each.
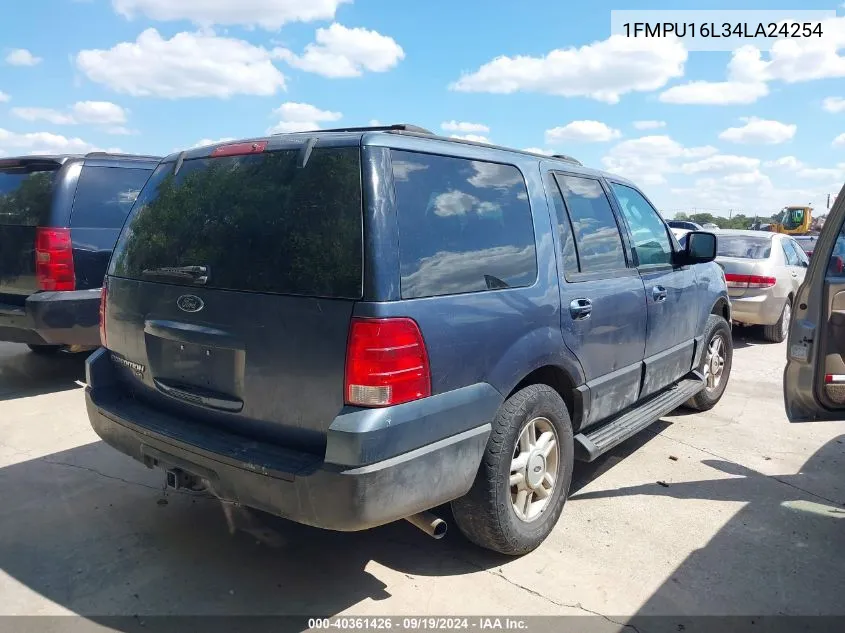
(747, 519)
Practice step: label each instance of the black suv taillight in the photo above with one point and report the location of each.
(54, 259)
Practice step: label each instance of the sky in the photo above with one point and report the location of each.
(743, 131)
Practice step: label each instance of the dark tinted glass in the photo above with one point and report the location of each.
(105, 195)
(25, 196)
(597, 235)
(650, 236)
(464, 225)
(564, 229)
(257, 223)
(742, 246)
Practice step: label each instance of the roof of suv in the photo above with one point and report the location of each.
(63, 158)
(420, 137)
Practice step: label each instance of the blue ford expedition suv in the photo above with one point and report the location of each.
(350, 327)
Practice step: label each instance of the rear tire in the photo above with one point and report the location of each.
(715, 366)
(778, 332)
(488, 514)
(45, 350)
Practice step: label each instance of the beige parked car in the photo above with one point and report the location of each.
(763, 272)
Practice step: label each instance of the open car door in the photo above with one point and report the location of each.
(814, 378)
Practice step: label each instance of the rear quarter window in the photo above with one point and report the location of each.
(464, 225)
(257, 223)
(26, 195)
(105, 195)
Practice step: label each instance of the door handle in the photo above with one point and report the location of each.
(580, 309)
(658, 293)
(794, 274)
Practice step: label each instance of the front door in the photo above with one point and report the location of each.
(602, 299)
(673, 303)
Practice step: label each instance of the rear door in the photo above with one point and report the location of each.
(232, 286)
(797, 261)
(814, 379)
(26, 196)
(603, 316)
(673, 302)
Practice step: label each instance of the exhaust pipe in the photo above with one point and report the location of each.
(434, 526)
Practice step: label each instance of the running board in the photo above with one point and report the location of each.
(588, 446)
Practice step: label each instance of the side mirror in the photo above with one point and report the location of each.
(700, 248)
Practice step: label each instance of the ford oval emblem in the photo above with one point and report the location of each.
(190, 303)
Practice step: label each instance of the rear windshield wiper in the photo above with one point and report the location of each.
(194, 274)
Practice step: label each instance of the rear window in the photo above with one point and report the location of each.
(26, 195)
(464, 225)
(745, 247)
(255, 223)
(104, 196)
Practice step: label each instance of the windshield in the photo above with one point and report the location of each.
(793, 218)
(256, 223)
(25, 196)
(745, 247)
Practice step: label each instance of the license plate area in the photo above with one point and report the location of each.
(216, 369)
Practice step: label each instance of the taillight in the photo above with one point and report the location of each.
(749, 281)
(386, 363)
(54, 259)
(103, 297)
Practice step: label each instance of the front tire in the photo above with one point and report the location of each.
(778, 332)
(715, 366)
(523, 481)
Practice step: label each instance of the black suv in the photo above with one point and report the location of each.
(59, 220)
(349, 327)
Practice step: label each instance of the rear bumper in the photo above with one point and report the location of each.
(53, 318)
(757, 310)
(303, 487)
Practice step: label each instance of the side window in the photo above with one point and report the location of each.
(836, 265)
(564, 230)
(791, 255)
(803, 260)
(597, 239)
(649, 233)
(105, 195)
(464, 225)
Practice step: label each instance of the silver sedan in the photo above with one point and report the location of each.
(763, 272)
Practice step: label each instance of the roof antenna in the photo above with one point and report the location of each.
(305, 152)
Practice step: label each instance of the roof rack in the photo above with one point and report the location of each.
(119, 155)
(568, 159)
(397, 127)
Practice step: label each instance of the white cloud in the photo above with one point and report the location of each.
(794, 60)
(301, 117)
(95, 112)
(345, 52)
(268, 14)
(208, 141)
(649, 125)
(22, 57)
(4, 98)
(785, 162)
(43, 114)
(721, 163)
(828, 174)
(463, 126)
(187, 65)
(648, 159)
(492, 175)
(100, 112)
(447, 272)
(715, 93)
(454, 202)
(834, 104)
(603, 70)
(41, 143)
(538, 150)
(582, 132)
(759, 131)
(402, 169)
(478, 138)
(839, 141)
